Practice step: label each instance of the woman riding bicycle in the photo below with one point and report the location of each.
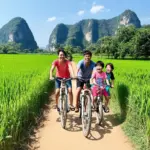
(63, 70)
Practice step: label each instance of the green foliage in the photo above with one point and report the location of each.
(23, 91)
(127, 41)
(10, 48)
(131, 99)
(141, 43)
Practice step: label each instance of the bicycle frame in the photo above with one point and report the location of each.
(99, 103)
(100, 94)
(63, 101)
(63, 89)
(85, 109)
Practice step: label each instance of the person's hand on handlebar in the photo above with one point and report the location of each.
(51, 78)
(112, 86)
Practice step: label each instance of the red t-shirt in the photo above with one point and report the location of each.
(62, 69)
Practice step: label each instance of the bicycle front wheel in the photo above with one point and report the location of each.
(63, 111)
(100, 112)
(86, 114)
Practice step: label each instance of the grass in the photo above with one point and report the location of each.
(23, 91)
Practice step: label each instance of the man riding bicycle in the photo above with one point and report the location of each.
(84, 71)
(64, 70)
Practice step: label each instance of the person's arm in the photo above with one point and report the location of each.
(71, 70)
(93, 81)
(78, 68)
(112, 79)
(51, 72)
(112, 83)
(52, 69)
(107, 81)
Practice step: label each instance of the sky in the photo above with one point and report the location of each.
(43, 15)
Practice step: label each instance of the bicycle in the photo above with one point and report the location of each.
(85, 107)
(63, 101)
(99, 105)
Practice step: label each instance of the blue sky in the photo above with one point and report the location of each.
(43, 15)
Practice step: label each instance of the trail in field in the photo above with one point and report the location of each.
(52, 136)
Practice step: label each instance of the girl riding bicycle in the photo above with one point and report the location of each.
(99, 77)
(64, 70)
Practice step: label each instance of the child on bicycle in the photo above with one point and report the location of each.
(111, 78)
(99, 77)
(64, 70)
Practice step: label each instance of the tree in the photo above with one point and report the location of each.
(4, 49)
(91, 47)
(142, 43)
(69, 50)
(77, 49)
(105, 45)
(125, 34)
(38, 50)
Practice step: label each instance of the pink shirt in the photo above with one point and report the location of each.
(99, 78)
(62, 69)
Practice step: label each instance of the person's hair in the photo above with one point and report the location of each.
(111, 65)
(61, 50)
(99, 63)
(87, 52)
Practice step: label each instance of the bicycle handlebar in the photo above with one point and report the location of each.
(100, 87)
(63, 79)
(85, 80)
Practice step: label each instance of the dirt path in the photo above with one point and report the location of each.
(52, 136)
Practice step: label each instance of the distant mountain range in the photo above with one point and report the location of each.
(90, 30)
(81, 34)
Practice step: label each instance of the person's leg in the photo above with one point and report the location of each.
(71, 99)
(69, 86)
(78, 91)
(70, 96)
(94, 94)
(107, 98)
(57, 95)
(57, 91)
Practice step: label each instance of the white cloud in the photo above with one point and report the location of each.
(51, 19)
(81, 12)
(97, 8)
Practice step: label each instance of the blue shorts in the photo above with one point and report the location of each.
(58, 84)
(107, 90)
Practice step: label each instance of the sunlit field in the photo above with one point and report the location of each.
(25, 78)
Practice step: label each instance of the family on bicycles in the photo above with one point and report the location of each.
(87, 70)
